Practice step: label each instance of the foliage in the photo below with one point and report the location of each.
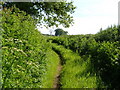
(48, 13)
(110, 34)
(24, 52)
(105, 57)
(59, 32)
(52, 63)
(103, 49)
(77, 71)
(88, 61)
(0, 53)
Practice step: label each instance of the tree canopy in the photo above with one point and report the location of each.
(47, 13)
(59, 32)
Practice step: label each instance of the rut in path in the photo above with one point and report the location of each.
(57, 77)
(57, 83)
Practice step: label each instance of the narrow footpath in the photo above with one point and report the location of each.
(57, 77)
(57, 83)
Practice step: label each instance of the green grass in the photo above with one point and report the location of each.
(52, 63)
(76, 72)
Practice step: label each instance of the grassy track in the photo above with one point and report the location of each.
(49, 78)
(76, 72)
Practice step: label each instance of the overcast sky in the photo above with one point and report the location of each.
(91, 15)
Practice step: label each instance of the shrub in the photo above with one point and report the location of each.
(23, 51)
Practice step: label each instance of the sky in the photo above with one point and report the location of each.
(90, 16)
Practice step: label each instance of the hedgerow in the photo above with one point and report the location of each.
(24, 52)
(103, 49)
(28, 60)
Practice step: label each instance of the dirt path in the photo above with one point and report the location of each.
(57, 77)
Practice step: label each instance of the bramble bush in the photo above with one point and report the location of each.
(106, 61)
(23, 51)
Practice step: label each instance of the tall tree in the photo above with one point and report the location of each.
(47, 13)
(59, 32)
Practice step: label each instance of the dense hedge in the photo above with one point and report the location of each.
(27, 56)
(0, 51)
(110, 34)
(103, 49)
(106, 60)
(25, 63)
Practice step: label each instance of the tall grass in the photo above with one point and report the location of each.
(52, 62)
(77, 71)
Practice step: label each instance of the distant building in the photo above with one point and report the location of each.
(119, 13)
